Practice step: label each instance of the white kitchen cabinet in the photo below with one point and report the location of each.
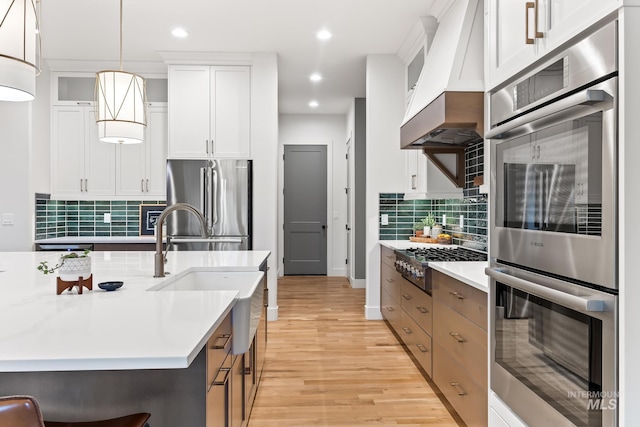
(141, 168)
(82, 166)
(425, 181)
(515, 41)
(209, 111)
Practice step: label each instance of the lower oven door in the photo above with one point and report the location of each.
(554, 349)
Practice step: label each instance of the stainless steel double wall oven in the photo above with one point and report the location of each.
(553, 237)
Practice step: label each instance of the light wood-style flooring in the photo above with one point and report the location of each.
(328, 366)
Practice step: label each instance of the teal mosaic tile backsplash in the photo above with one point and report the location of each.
(403, 214)
(61, 218)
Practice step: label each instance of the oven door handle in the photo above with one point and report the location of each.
(570, 301)
(550, 115)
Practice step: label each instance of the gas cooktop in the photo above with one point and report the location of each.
(442, 254)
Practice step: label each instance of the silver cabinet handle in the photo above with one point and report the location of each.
(81, 189)
(142, 185)
(422, 310)
(212, 147)
(414, 182)
(86, 185)
(537, 152)
(458, 388)
(456, 294)
(147, 181)
(206, 145)
(407, 330)
(407, 297)
(422, 348)
(457, 337)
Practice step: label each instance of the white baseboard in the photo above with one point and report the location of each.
(272, 313)
(358, 283)
(372, 313)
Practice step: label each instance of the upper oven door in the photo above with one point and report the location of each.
(553, 189)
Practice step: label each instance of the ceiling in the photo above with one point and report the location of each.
(87, 30)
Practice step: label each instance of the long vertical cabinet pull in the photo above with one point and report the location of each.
(142, 185)
(81, 190)
(206, 145)
(86, 185)
(537, 34)
(147, 182)
(528, 5)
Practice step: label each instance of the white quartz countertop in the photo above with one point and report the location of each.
(406, 244)
(469, 272)
(130, 328)
(97, 239)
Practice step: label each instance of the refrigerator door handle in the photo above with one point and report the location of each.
(203, 192)
(215, 197)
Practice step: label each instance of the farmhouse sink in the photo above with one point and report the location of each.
(245, 314)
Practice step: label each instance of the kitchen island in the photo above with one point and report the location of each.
(103, 354)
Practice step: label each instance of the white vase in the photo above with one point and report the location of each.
(74, 268)
(427, 231)
(435, 230)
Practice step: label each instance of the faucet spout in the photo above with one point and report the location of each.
(159, 257)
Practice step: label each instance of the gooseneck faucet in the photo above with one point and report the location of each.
(159, 256)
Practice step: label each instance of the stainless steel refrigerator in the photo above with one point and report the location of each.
(221, 190)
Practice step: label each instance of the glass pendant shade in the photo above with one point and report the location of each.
(18, 45)
(120, 107)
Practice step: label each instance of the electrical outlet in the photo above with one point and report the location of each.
(7, 219)
(384, 219)
(107, 218)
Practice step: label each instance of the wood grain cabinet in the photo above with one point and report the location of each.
(219, 376)
(460, 347)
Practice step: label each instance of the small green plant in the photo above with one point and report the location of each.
(429, 220)
(46, 269)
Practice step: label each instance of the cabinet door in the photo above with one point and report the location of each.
(67, 151)
(156, 158)
(131, 169)
(100, 160)
(189, 112)
(230, 111)
(508, 49)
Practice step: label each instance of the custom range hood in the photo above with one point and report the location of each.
(447, 108)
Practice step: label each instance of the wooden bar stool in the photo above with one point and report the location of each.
(24, 411)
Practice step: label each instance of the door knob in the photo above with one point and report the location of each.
(324, 226)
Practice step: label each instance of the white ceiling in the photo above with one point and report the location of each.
(87, 30)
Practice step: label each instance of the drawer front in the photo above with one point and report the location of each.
(465, 299)
(466, 396)
(416, 340)
(390, 308)
(463, 340)
(391, 281)
(218, 346)
(387, 256)
(418, 304)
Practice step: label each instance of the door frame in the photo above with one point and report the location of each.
(330, 221)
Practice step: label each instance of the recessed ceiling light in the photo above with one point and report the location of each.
(179, 32)
(313, 104)
(323, 35)
(315, 77)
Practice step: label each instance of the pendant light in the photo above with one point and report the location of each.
(120, 104)
(18, 45)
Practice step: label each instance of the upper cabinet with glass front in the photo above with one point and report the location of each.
(520, 31)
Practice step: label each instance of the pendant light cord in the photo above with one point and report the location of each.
(120, 35)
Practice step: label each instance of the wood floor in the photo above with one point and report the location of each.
(328, 366)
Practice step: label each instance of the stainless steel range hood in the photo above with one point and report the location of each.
(448, 102)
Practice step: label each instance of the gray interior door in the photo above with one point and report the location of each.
(305, 209)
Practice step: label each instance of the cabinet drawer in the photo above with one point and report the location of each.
(418, 305)
(466, 396)
(391, 281)
(418, 341)
(218, 347)
(465, 299)
(462, 339)
(390, 308)
(387, 256)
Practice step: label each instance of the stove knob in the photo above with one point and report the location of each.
(419, 274)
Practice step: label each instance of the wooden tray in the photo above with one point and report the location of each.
(423, 239)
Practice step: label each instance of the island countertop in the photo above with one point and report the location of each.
(130, 328)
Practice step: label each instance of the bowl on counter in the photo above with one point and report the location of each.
(110, 286)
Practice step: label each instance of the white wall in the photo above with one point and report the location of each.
(40, 164)
(385, 161)
(264, 150)
(16, 196)
(329, 130)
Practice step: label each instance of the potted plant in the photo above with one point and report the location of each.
(418, 227)
(428, 222)
(71, 266)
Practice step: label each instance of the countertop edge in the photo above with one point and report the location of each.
(468, 272)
